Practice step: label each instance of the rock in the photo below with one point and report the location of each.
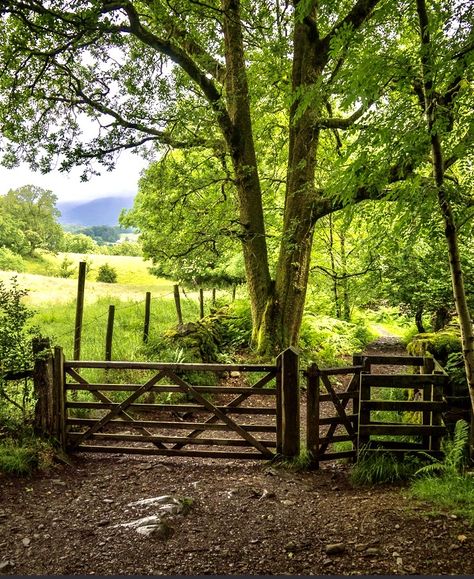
(26, 542)
(335, 548)
(6, 566)
(161, 500)
(288, 503)
(360, 547)
(371, 551)
(108, 501)
(146, 466)
(163, 530)
(235, 374)
(103, 523)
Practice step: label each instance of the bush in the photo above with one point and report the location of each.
(328, 340)
(66, 268)
(107, 274)
(10, 261)
(16, 355)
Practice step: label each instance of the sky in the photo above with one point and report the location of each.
(121, 182)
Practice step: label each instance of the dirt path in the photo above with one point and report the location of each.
(244, 518)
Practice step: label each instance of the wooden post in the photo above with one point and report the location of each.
(290, 403)
(110, 333)
(79, 310)
(146, 324)
(312, 415)
(177, 301)
(234, 291)
(60, 396)
(43, 385)
(213, 296)
(364, 412)
(428, 368)
(201, 303)
(279, 381)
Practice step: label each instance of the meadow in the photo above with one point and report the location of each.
(53, 299)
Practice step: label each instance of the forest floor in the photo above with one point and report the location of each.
(244, 517)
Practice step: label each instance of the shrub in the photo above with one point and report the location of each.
(16, 355)
(23, 456)
(66, 268)
(10, 261)
(107, 274)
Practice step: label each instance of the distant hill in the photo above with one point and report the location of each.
(103, 211)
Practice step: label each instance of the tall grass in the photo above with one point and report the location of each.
(57, 322)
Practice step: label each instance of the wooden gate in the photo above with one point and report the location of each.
(166, 413)
(354, 425)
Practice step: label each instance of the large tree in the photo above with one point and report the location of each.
(244, 80)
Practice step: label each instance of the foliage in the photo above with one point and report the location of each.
(33, 212)
(78, 243)
(16, 355)
(455, 451)
(10, 261)
(381, 467)
(66, 268)
(327, 340)
(107, 274)
(21, 457)
(457, 375)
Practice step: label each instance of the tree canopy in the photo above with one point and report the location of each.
(266, 117)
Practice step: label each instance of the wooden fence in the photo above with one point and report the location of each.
(142, 417)
(356, 426)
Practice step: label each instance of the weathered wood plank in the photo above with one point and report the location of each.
(340, 409)
(341, 396)
(401, 429)
(340, 371)
(173, 439)
(115, 365)
(401, 380)
(172, 388)
(405, 405)
(395, 360)
(174, 408)
(336, 420)
(169, 452)
(172, 425)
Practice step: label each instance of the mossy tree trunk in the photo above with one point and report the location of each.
(432, 114)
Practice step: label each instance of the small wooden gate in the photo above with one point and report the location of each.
(355, 427)
(145, 417)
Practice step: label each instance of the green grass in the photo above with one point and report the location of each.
(22, 457)
(377, 467)
(454, 493)
(57, 322)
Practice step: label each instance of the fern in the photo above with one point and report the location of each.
(454, 459)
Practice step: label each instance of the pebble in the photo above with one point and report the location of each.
(372, 551)
(5, 565)
(26, 541)
(335, 548)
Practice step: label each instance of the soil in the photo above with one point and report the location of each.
(245, 517)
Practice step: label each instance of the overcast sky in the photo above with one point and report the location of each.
(122, 181)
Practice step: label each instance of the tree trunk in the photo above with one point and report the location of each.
(240, 142)
(300, 201)
(419, 320)
(450, 231)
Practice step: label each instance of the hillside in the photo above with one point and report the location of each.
(103, 211)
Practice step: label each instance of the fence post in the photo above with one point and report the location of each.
(44, 421)
(81, 280)
(201, 303)
(59, 389)
(110, 333)
(312, 415)
(364, 412)
(177, 301)
(289, 398)
(146, 324)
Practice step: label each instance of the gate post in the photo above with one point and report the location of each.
(59, 394)
(43, 386)
(312, 415)
(288, 398)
